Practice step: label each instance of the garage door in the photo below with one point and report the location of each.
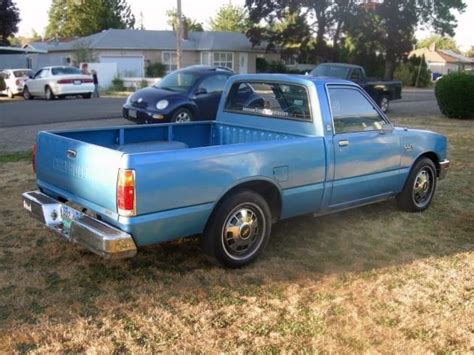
(126, 66)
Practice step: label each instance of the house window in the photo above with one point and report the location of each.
(206, 58)
(170, 60)
(223, 59)
(218, 59)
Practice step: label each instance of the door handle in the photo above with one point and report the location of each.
(343, 143)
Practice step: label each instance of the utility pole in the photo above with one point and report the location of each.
(179, 35)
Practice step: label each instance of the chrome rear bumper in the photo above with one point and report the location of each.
(97, 236)
(443, 168)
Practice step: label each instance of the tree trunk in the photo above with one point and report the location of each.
(389, 68)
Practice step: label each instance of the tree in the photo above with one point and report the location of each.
(230, 18)
(470, 52)
(392, 24)
(191, 25)
(20, 41)
(10, 17)
(440, 42)
(71, 18)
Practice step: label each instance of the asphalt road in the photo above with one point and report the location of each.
(21, 120)
(26, 113)
(415, 102)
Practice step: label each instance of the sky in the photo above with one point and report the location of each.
(34, 15)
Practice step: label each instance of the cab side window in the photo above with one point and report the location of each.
(214, 84)
(356, 75)
(352, 111)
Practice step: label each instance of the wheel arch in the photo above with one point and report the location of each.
(265, 187)
(430, 155)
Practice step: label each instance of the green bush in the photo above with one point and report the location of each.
(404, 74)
(117, 84)
(407, 72)
(143, 84)
(455, 95)
(156, 70)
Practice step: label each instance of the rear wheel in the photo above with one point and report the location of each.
(419, 188)
(238, 230)
(86, 96)
(48, 93)
(182, 115)
(27, 94)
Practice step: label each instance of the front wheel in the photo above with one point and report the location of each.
(182, 115)
(27, 94)
(419, 188)
(238, 230)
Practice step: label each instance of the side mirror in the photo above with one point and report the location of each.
(200, 91)
(383, 127)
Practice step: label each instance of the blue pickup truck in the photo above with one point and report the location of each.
(281, 146)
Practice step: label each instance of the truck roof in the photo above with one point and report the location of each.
(290, 78)
(345, 65)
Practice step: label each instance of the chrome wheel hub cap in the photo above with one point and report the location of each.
(242, 231)
(183, 117)
(422, 187)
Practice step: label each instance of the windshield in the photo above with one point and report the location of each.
(22, 73)
(65, 71)
(177, 81)
(333, 71)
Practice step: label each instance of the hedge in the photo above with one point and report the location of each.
(455, 95)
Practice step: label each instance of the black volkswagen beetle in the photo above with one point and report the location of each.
(184, 95)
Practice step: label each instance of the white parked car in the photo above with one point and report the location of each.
(60, 81)
(14, 80)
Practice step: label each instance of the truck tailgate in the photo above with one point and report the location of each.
(78, 171)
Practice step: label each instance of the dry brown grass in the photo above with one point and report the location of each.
(371, 280)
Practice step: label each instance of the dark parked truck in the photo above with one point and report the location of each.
(281, 146)
(382, 91)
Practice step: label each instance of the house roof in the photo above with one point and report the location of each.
(441, 56)
(458, 58)
(157, 40)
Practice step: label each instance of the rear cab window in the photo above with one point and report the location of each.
(269, 99)
(352, 111)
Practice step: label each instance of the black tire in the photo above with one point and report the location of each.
(419, 188)
(27, 94)
(48, 93)
(249, 215)
(384, 103)
(86, 96)
(61, 97)
(182, 115)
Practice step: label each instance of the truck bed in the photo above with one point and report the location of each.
(82, 167)
(146, 139)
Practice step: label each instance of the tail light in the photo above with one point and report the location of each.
(65, 81)
(87, 80)
(33, 158)
(17, 82)
(126, 193)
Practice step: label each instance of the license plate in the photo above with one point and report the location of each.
(77, 82)
(132, 113)
(68, 215)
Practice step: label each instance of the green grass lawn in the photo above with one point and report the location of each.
(373, 279)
